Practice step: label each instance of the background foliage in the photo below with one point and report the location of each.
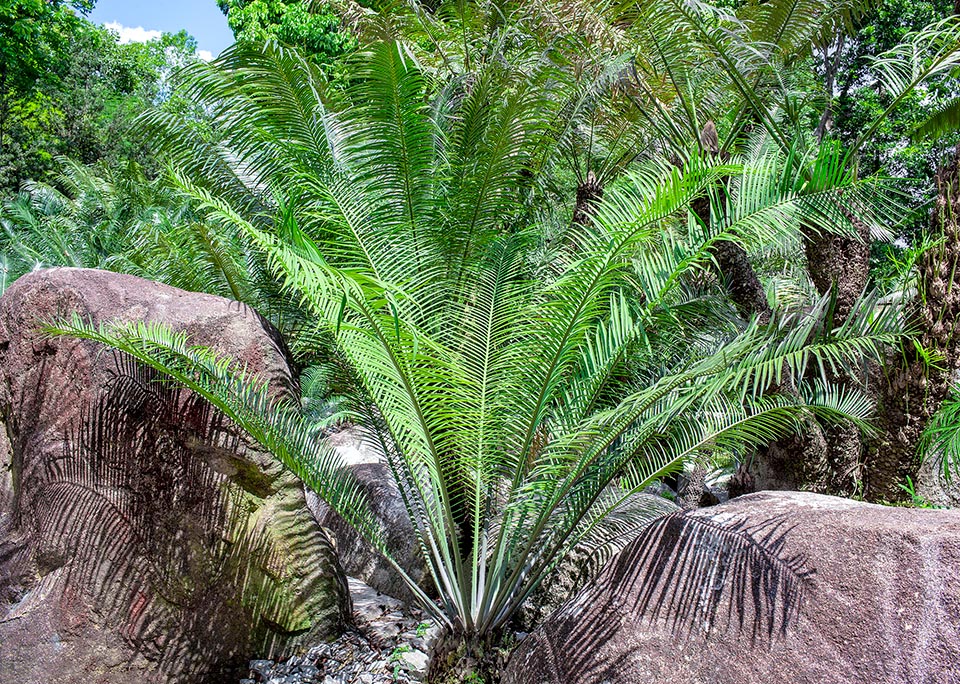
(312, 27)
(68, 87)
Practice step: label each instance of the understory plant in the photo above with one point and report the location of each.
(941, 439)
(523, 375)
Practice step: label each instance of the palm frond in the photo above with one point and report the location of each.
(264, 414)
(945, 120)
(924, 55)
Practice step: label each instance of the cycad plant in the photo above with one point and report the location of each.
(522, 389)
(80, 220)
(757, 76)
(119, 220)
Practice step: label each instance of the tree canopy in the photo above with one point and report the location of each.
(313, 27)
(68, 87)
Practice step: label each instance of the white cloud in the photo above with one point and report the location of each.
(205, 55)
(129, 34)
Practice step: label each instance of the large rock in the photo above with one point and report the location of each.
(142, 539)
(935, 489)
(586, 560)
(358, 558)
(787, 587)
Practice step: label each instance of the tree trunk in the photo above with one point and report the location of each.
(589, 192)
(915, 388)
(692, 492)
(796, 461)
(456, 658)
(733, 263)
(839, 264)
(741, 281)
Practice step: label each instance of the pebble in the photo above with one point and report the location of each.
(389, 646)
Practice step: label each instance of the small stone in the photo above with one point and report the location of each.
(414, 660)
(391, 648)
(386, 631)
(262, 667)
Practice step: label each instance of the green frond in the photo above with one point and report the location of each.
(943, 121)
(924, 55)
(264, 414)
(941, 438)
(524, 375)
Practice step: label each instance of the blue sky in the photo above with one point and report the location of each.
(137, 20)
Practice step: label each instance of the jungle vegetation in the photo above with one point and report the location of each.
(545, 254)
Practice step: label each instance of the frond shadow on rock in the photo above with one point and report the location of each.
(695, 575)
(143, 512)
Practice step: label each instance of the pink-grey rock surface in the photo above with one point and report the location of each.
(771, 587)
(142, 538)
(358, 558)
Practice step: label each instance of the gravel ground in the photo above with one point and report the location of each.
(389, 645)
